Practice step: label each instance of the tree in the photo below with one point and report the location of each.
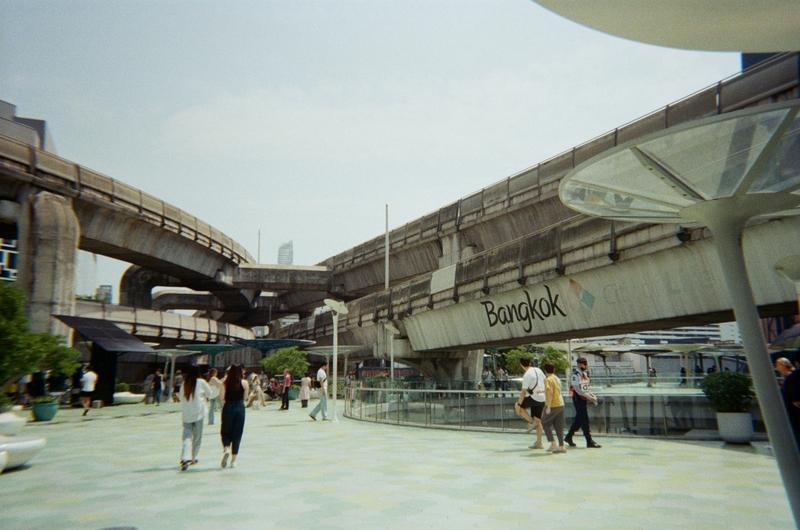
(547, 355)
(292, 358)
(20, 354)
(512, 360)
(24, 352)
(60, 359)
(554, 356)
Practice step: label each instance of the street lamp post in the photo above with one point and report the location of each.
(337, 308)
(392, 331)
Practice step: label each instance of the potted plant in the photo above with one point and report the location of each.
(731, 396)
(44, 408)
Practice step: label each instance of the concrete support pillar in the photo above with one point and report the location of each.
(472, 367)
(48, 235)
(457, 370)
(454, 249)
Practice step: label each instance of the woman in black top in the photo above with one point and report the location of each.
(235, 392)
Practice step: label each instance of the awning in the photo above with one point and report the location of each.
(268, 345)
(105, 334)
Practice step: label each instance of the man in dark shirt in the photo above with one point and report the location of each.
(157, 387)
(790, 391)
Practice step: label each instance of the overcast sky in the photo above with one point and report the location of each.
(303, 118)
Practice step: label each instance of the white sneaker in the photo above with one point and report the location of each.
(233, 464)
(225, 455)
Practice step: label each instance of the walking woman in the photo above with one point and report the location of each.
(193, 395)
(553, 409)
(235, 390)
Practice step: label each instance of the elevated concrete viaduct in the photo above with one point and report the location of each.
(465, 239)
(532, 290)
(528, 201)
(266, 308)
(53, 206)
(515, 237)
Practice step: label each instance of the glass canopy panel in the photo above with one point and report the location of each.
(654, 180)
(623, 171)
(585, 198)
(782, 173)
(714, 158)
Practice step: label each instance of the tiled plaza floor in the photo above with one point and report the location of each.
(118, 468)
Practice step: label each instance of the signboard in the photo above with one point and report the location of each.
(676, 282)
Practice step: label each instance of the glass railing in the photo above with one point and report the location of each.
(632, 411)
(599, 381)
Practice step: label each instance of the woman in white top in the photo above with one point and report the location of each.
(305, 390)
(193, 395)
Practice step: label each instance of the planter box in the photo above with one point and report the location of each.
(735, 427)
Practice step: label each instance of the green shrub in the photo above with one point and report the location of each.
(728, 391)
(23, 352)
(121, 387)
(512, 360)
(5, 402)
(556, 357)
(292, 358)
(44, 399)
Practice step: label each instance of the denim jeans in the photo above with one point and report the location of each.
(321, 406)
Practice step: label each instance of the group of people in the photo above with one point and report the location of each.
(541, 404)
(199, 397)
(158, 386)
(194, 396)
(490, 380)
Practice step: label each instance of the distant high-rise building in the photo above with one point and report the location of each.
(29, 130)
(286, 254)
(104, 293)
(32, 132)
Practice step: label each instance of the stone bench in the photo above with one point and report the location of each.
(20, 449)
